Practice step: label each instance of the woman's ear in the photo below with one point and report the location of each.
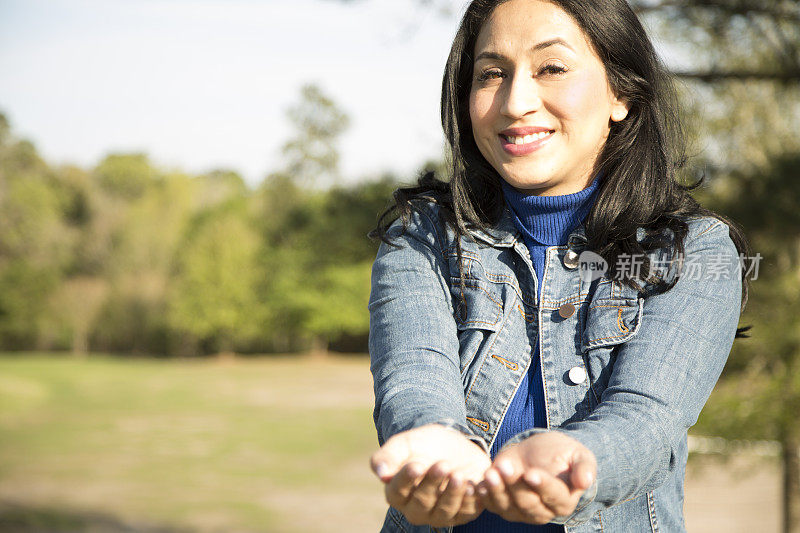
(619, 109)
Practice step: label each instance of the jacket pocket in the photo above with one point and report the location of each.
(477, 305)
(611, 321)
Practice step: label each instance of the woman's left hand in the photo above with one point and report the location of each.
(538, 478)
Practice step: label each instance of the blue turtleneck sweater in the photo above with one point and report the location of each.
(543, 221)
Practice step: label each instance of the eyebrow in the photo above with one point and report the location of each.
(541, 46)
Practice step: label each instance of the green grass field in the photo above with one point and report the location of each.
(269, 444)
(278, 444)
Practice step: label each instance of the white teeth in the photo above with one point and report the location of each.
(526, 139)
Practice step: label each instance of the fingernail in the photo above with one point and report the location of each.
(442, 468)
(470, 490)
(482, 490)
(492, 478)
(382, 470)
(414, 470)
(534, 478)
(506, 468)
(455, 482)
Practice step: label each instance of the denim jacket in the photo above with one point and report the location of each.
(626, 373)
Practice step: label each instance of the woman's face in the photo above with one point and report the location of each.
(540, 102)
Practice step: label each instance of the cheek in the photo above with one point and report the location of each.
(479, 113)
(580, 100)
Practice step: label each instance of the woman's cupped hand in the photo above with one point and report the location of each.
(430, 474)
(538, 479)
(436, 476)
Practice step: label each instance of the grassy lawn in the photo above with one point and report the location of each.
(268, 444)
(250, 445)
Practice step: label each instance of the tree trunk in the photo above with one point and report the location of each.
(225, 352)
(319, 347)
(80, 342)
(790, 452)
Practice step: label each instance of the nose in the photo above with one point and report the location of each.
(521, 97)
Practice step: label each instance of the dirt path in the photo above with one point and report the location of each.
(742, 496)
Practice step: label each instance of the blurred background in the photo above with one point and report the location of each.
(185, 192)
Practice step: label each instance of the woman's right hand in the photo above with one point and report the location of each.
(430, 474)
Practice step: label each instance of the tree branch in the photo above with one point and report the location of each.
(731, 7)
(711, 76)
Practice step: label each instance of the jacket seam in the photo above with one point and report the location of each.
(503, 319)
(651, 507)
(711, 227)
(494, 277)
(397, 521)
(476, 321)
(438, 252)
(539, 341)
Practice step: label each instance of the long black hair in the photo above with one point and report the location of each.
(640, 162)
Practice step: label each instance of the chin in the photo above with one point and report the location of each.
(528, 183)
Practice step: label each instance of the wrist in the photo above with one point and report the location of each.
(464, 430)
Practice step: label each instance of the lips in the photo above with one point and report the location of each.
(523, 141)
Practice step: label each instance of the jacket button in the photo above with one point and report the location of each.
(571, 259)
(566, 310)
(577, 375)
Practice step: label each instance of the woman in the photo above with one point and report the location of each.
(546, 325)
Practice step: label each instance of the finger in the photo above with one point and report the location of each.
(552, 491)
(495, 495)
(399, 488)
(449, 503)
(388, 460)
(424, 496)
(583, 471)
(510, 468)
(471, 505)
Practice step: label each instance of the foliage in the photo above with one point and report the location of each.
(312, 157)
(127, 257)
(214, 293)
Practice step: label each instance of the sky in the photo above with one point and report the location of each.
(205, 84)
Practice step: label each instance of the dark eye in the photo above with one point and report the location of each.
(552, 69)
(490, 74)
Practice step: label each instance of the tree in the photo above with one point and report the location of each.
(214, 295)
(35, 239)
(759, 395)
(75, 305)
(311, 154)
(125, 175)
(739, 39)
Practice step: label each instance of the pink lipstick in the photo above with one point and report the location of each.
(523, 141)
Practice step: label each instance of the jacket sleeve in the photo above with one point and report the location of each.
(663, 376)
(413, 341)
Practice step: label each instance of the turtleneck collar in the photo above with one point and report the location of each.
(548, 220)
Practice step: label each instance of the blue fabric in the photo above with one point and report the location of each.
(543, 221)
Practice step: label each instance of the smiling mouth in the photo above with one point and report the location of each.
(526, 139)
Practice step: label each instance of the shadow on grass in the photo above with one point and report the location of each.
(18, 518)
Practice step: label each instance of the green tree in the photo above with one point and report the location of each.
(125, 175)
(311, 154)
(35, 240)
(318, 257)
(759, 395)
(214, 296)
